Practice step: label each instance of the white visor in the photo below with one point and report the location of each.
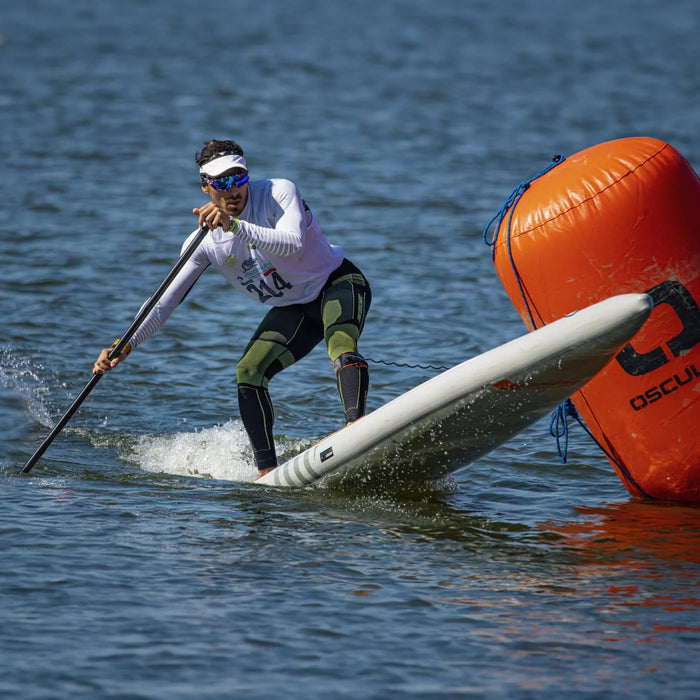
(221, 164)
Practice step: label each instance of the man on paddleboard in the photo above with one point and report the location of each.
(265, 241)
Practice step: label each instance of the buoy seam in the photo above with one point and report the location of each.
(587, 200)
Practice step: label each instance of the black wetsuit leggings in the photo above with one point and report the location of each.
(288, 333)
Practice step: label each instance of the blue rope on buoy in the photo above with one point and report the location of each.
(559, 426)
(510, 205)
(559, 429)
(513, 199)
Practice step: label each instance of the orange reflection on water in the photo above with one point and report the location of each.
(635, 533)
(639, 554)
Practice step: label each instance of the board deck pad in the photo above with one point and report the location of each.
(449, 421)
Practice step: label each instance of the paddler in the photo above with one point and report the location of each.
(266, 243)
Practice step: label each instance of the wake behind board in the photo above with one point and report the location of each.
(458, 416)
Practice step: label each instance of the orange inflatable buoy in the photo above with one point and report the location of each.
(622, 216)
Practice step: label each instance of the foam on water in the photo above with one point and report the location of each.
(219, 452)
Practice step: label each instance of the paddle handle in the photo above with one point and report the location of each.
(117, 349)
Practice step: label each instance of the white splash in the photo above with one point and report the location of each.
(220, 452)
(21, 380)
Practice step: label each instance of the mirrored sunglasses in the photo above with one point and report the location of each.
(226, 183)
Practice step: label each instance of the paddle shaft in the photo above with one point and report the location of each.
(119, 347)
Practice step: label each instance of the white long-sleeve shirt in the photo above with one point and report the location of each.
(277, 256)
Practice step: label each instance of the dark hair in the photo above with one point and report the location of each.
(213, 149)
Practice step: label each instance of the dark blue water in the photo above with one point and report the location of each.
(137, 560)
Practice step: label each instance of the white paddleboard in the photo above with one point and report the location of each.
(456, 417)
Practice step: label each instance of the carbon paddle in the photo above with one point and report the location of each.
(117, 349)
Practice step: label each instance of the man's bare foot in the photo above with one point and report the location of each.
(262, 472)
